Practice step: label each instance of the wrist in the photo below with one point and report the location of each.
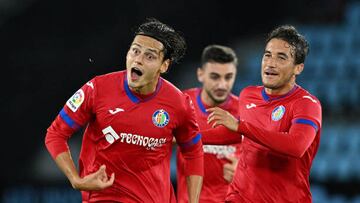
(235, 126)
(75, 182)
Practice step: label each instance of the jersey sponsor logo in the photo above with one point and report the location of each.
(160, 118)
(308, 97)
(116, 110)
(149, 142)
(251, 105)
(220, 151)
(76, 100)
(278, 113)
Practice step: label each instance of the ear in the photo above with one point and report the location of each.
(200, 74)
(165, 66)
(298, 69)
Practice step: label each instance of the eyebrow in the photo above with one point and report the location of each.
(283, 54)
(280, 53)
(148, 49)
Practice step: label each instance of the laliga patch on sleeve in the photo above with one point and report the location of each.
(76, 100)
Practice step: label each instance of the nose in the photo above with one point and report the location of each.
(139, 58)
(269, 62)
(222, 84)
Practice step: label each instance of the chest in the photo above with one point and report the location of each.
(155, 118)
(270, 115)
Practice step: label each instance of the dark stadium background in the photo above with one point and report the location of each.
(50, 48)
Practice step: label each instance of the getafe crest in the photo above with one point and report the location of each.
(278, 113)
(160, 118)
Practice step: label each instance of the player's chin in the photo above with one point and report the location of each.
(134, 83)
(220, 99)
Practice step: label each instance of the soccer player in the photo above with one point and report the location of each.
(130, 120)
(217, 75)
(281, 123)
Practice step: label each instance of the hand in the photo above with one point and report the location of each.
(221, 117)
(229, 168)
(95, 181)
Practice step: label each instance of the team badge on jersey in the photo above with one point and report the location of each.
(278, 113)
(160, 118)
(76, 100)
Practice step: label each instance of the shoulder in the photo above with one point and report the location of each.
(250, 90)
(305, 98)
(110, 76)
(108, 81)
(233, 98)
(192, 92)
(171, 92)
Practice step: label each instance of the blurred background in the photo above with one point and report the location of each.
(49, 49)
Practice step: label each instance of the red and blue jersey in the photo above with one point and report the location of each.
(281, 139)
(214, 185)
(131, 135)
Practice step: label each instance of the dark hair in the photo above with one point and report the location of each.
(174, 43)
(288, 33)
(218, 54)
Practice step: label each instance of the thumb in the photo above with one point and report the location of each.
(231, 158)
(101, 170)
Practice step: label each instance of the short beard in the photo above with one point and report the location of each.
(216, 101)
(278, 86)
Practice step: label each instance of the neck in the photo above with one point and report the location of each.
(208, 101)
(147, 88)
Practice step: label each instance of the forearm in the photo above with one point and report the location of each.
(67, 166)
(293, 143)
(194, 184)
(193, 154)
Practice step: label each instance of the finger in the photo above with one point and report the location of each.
(110, 181)
(210, 119)
(231, 158)
(210, 116)
(216, 123)
(100, 171)
(210, 109)
(228, 177)
(213, 118)
(227, 167)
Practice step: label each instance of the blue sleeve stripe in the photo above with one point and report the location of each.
(307, 122)
(193, 141)
(200, 104)
(131, 96)
(68, 120)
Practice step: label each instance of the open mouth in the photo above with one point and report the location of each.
(270, 73)
(136, 73)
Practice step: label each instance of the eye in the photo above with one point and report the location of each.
(135, 50)
(228, 77)
(214, 76)
(150, 56)
(267, 55)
